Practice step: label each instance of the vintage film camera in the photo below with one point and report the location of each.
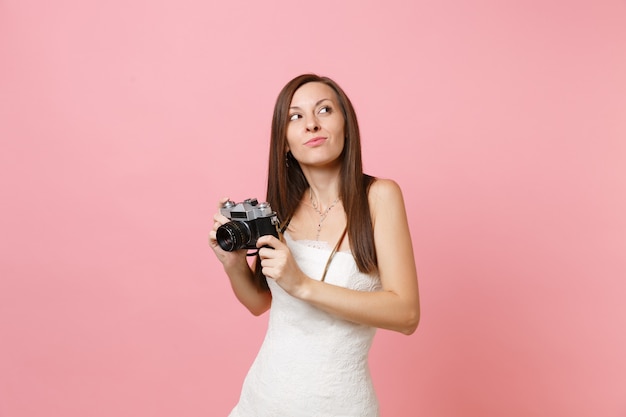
(249, 221)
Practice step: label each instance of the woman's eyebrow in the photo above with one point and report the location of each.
(316, 104)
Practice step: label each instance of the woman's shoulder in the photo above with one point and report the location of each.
(384, 189)
(384, 195)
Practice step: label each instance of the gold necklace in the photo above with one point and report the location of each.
(323, 214)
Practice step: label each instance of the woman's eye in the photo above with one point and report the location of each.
(325, 109)
(294, 117)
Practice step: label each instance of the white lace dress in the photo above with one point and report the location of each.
(312, 363)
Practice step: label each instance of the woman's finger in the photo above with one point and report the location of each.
(269, 240)
(221, 202)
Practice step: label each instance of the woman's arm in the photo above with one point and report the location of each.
(241, 275)
(396, 306)
(255, 299)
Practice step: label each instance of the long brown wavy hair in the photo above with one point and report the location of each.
(286, 183)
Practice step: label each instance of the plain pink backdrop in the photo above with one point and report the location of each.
(122, 123)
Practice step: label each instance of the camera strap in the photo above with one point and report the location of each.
(332, 254)
(284, 226)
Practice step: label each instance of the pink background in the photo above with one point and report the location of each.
(122, 123)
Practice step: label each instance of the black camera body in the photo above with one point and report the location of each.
(249, 221)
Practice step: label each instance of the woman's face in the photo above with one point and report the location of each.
(315, 129)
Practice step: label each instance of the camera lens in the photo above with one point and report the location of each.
(233, 235)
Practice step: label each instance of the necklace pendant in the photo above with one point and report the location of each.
(323, 214)
(319, 230)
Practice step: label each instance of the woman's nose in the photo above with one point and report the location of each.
(312, 124)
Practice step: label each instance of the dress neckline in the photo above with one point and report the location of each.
(315, 244)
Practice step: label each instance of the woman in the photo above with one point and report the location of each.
(343, 267)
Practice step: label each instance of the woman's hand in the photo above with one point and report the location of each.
(228, 259)
(239, 272)
(278, 264)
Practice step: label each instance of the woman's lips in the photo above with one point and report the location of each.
(315, 141)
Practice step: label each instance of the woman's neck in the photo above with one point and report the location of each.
(324, 186)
